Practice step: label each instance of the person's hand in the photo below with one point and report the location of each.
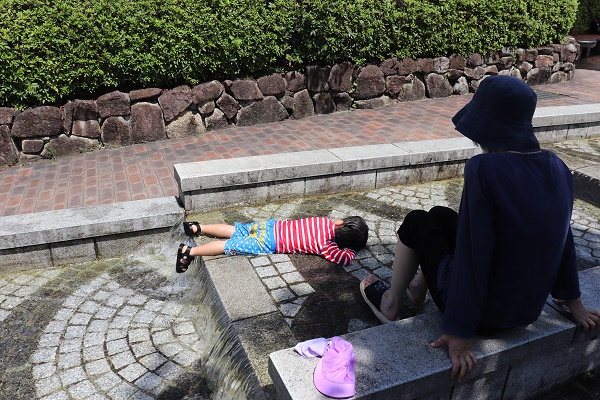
(459, 349)
(588, 319)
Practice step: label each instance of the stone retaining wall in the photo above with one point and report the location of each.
(121, 119)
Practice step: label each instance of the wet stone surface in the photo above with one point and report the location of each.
(132, 328)
(110, 329)
(319, 299)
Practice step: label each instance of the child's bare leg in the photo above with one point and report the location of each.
(217, 230)
(209, 249)
(404, 268)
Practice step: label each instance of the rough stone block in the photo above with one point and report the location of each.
(261, 112)
(73, 251)
(245, 90)
(272, 85)
(8, 151)
(208, 91)
(115, 131)
(84, 110)
(68, 145)
(240, 301)
(114, 104)
(173, 102)
(6, 115)
(303, 105)
(118, 245)
(370, 83)
(32, 146)
(255, 169)
(29, 257)
(340, 77)
(37, 122)
(295, 81)
(364, 180)
(362, 158)
(89, 129)
(147, 123)
(148, 94)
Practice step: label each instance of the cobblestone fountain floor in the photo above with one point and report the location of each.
(383, 209)
(131, 328)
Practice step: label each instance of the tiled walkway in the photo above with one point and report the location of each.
(145, 171)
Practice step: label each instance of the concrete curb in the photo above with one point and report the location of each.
(213, 184)
(85, 233)
(209, 185)
(386, 369)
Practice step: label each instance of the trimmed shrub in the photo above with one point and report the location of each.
(53, 50)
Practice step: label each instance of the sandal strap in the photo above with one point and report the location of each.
(375, 291)
(187, 228)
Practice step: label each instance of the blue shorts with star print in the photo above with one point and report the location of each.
(252, 238)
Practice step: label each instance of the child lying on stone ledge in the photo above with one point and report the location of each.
(335, 240)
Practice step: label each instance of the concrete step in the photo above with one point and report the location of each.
(395, 361)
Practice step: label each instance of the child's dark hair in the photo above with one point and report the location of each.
(352, 234)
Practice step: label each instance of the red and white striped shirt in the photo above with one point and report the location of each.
(314, 235)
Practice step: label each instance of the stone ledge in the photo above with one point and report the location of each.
(566, 115)
(215, 184)
(85, 233)
(396, 361)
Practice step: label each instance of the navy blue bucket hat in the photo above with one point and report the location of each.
(500, 114)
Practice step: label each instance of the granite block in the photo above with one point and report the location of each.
(255, 169)
(240, 301)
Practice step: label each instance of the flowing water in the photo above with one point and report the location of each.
(222, 357)
(120, 328)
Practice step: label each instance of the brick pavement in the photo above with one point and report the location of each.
(145, 171)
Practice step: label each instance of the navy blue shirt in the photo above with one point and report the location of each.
(514, 243)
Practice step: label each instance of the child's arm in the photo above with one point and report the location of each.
(333, 253)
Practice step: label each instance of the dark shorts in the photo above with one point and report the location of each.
(432, 235)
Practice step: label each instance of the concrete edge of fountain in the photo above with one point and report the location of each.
(86, 233)
(82, 234)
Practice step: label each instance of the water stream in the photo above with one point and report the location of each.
(223, 358)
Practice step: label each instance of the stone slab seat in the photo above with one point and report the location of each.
(395, 361)
(85, 233)
(221, 183)
(213, 184)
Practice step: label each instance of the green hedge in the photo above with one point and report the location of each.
(55, 50)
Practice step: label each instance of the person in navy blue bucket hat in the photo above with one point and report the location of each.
(499, 115)
(491, 266)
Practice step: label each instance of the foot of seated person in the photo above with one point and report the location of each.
(385, 306)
